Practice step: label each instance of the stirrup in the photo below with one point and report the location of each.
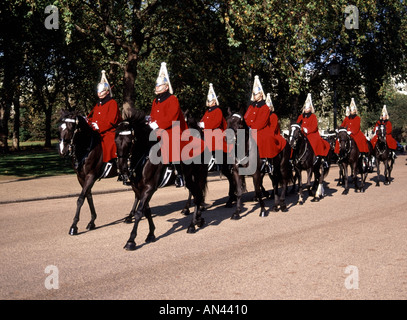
(179, 181)
(266, 167)
(316, 160)
(106, 171)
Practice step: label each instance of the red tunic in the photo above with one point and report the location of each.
(391, 142)
(105, 114)
(180, 145)
(319, 145)
(277, 141)
(352, 124)
(213, 120)
(257, 117)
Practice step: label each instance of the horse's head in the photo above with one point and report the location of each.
(344, 142)
(381, 133)
(69, 122)
(295, 135)
(124, 140)
(235, 122)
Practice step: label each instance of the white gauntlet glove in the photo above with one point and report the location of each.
(95, 126)
(153, 125)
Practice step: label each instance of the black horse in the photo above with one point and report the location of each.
(304, 159)
(247, 158)
(218, 159)
(383, 154)
(138, 168)
(83, 144)
(349, 155)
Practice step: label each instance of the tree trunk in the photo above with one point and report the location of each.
(130, 74)
(16, 128)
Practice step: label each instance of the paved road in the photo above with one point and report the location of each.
(344, 247)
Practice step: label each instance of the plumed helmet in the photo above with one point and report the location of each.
(353, 106)
(269, 102)
(163, 77)
(308, 104)
(211, 96)
(384, 112)
(347, 111)
(257, 88)
(104, 84)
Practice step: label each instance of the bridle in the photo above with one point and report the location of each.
(382, 140)
(236, 141)
(348, 143)
(130, 154)
(69, 142)
(293, 144)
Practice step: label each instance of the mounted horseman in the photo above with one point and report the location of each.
(352, 124)
(310, 152)
(89, 142)
(103, 118)
(384, 147)
(391, 142)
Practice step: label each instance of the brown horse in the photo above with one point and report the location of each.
(137, 168)
(83, 144)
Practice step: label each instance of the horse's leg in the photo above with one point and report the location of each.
(300, 188)
(378, 172)
(386, 172)
(346, 180)
(86, 184)
(239, 191)
(186, 211)
(355, 175)
(129, 218)
(232, 186)
(197, 193)
(138, 214)
(257, 180)
(91, 225)
(150, 236)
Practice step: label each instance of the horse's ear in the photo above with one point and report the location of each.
(229, 112)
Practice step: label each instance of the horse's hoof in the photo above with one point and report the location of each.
(316, 199)
(300, 202)
(191, 229)
(200, 223)
(73, 231)
(229, 204)
(91, 226)
(275, 208)
(128, 219)
(283, 208)
(150, 238)
(235, 216)
(185, 212)
(263, 214)
(345, 192)
(130, 246)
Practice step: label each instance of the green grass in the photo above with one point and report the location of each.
(34, 161)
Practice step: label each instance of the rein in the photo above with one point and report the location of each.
(299, 159)
(141, 162)
(348, 150)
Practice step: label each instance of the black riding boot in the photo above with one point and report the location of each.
(325, 163)
(179, 179)
(266, 167)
